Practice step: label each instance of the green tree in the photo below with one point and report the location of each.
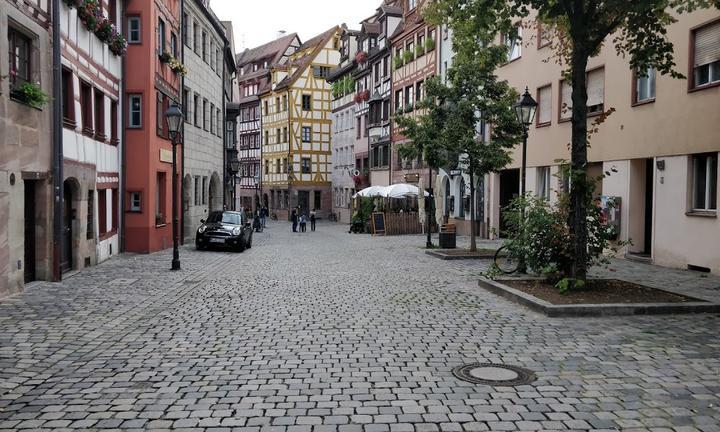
(636, 29)
(446, 133)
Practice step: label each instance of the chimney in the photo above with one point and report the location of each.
(281, 33)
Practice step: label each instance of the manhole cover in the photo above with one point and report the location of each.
(494, 374)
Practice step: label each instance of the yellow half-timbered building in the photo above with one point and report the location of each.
(296, 129)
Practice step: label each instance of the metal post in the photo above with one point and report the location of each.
(176, 252)
(524, 162)
(428, 207)
(57, 164)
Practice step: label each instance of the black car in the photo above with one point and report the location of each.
(225, 229)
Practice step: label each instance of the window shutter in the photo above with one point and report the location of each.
(596, 87)
(566, 100)
(545, 97)
(707, 45)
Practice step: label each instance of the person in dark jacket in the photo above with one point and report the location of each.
(313, 218)
(294, 219)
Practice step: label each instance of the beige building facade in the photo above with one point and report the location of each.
(660, 145)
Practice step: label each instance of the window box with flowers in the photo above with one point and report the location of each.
(429, 44)
(90, 13)
(399, 62)
(31, 94)
(361, 57)
(408, 56)
(419, 51)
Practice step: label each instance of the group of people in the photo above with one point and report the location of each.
(300, 219)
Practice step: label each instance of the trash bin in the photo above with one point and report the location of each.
(448, 236)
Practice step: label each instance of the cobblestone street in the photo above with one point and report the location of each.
(332, 332)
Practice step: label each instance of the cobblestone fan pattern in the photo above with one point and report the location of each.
(333, 332)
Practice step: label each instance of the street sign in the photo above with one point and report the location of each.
(455, 172)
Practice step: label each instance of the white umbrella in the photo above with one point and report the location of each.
(372, 191)
(402, 190)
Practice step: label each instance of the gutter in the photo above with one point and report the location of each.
(183, 37)
(123, 150)
(57, 177)
(226, 179)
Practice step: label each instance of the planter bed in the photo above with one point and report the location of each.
(606, 297)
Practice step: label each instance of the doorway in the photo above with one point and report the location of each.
(30, 232)
(66, 262)
(304, 201)
(649, 189)
(509, 190)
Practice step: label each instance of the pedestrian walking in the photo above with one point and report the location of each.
(294, 219)
(313, 217)
(263, 215)
(303, 223)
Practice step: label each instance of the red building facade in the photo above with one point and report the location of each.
(153, 30)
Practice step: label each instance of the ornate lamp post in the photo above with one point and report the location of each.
(257, 190)
(233, 167)
(525, 111)
(174, 118)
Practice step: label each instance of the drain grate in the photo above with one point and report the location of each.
(494, 374)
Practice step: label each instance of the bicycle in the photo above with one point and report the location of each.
(504, 261)
(333, 217)
(273, 216)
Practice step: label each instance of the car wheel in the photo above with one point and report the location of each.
(198, 246)
(249, 244)
(241, 246)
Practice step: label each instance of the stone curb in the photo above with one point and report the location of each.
(448, 257)
(585, 310)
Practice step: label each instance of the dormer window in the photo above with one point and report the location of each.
(412, 4)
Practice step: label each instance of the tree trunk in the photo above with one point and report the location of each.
(473, 233)
(578, 158)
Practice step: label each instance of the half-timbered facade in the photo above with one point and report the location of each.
(296, 153)
(253, 78)
(414, 60)
(92, 106)
(26, 148)
(346, 176)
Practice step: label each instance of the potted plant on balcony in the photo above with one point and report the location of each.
(409, 108)
(398, 62)
(165, 57)
(90, 13)
(419, 51)
(177, 67)
(30, 94)
(118, 44)
(361, 57)
(429, 44)
(105, 30)
(408, 56)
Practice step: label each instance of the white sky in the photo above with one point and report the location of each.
(256, 22)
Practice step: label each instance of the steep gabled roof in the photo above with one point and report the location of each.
(275, 49)
(315, 44)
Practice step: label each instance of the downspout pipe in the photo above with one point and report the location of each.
(226, 173)
(57, 178)
(183, 37)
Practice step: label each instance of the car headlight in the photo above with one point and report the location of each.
(237, 231)
(202, 229)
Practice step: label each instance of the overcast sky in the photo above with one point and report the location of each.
(256, 22)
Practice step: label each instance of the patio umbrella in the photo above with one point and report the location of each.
(372, 191)
(402, 190)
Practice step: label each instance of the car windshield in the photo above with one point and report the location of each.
(226, 218)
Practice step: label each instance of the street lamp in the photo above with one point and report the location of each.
(257, 190)
(525, 111)
(174, 117)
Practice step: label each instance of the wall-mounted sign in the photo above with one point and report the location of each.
(412, 178)
(455, 172)
(165, 156)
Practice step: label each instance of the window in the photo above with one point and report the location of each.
(212, 54)
(706, 59)
(514, 44)
(20, 54)
(277, 166)
(196, 38)
(186, 104)
(135, 111)
(565, 100)
(285, 134)
(212, 119)
(204, 190)
(102, 211)
(160, 213)
(134, 33)
(358, 128)
(186, 28)
(173, 44)
(543, 182)
(161, 36)
(645, 86)
(305, 166)
(90, 231)
(544, 109)
(196, 109)
(159, 114)
(99, 115)
(277, 104)
(265, 108)
(114, 138)
(204, 46)
(398, 100)
(267, 138)
(365, 129)
(307, 134)
(285, 166)
(318, 200)
(86, 100)
(544, 35)
(409, 96)
(218, 120)
(277, 136)
(205, 116)
(267, 166)
(321, 71)
(596, 91)
(704, 182)
(68, 104)
(385, 65)
(112, 11)
(412, 4)
(419, 91)
(135, 202)
(284, 103)
(198, 191)
(306, 102)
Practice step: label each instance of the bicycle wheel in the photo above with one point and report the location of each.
(505, 262)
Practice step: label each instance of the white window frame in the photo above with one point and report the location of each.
(130, 21)
(646, 83)
(710, 193)
(543, 182)
(131, 99)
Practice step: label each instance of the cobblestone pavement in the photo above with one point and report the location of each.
(333, 332)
